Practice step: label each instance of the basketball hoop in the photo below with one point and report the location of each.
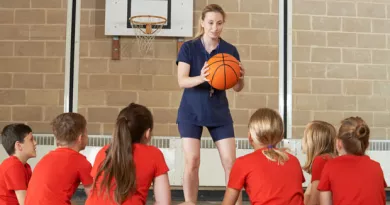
(145, 29)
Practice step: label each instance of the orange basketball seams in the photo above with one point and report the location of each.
(224, 71)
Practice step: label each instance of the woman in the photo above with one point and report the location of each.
(201, 105)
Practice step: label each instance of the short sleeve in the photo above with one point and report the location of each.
(85, 172)
(324, 184)
(160, 164)
(184, 54)
(15, 178)
(303, 177)
(383, 177)
(317, 167)
(101, 155)
(237, 175)
(236, 54)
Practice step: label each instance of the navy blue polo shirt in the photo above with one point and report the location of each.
(196, 106)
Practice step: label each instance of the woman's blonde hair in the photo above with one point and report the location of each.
(207, 9)
(266, 128)
(319, 138)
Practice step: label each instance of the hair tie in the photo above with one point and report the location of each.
(270, 146)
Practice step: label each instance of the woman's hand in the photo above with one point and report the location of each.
(242, 71)
(204, 73)
(240, 84)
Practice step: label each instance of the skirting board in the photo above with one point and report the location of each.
(203, 195)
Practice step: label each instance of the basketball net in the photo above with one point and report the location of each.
(145, 28)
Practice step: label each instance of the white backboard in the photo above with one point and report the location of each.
(179, 15)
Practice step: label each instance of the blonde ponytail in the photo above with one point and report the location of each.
(276, 155)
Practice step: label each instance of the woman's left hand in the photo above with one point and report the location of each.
(242, 71)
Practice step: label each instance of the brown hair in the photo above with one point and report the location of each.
(207, 9)
(319, 137)
(13, 133)
(354, 134)
(67, 127)
(130, 127)
(266, 127)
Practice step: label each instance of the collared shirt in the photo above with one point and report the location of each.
(196, 106)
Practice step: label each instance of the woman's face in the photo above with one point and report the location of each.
(213, 24)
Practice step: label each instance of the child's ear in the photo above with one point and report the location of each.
(18, 146)
(250, 138)
(80, 138)
(339, 145)
(148, 135)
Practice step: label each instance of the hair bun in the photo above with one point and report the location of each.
(362, 131)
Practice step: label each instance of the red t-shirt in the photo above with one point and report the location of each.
(14, 175)
(318, 165)
(57, 176)
(266, 182)
(149, 164)
(356, 180)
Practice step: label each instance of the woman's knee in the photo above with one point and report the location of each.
(228, 162)
(193, 163)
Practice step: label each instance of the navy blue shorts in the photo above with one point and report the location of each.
(217, 133)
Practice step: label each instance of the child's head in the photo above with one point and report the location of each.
(318, 139)
(17, 139)
(353, 136)
(134, 124)
(266, 130)
(70, 129)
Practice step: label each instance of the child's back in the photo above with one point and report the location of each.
(354, 180)
(268, 182)
(124, 170)
(149, 163)
(57, 176)
(269, 175)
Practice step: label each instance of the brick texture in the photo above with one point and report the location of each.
(340, 64)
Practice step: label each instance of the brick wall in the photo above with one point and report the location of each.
(341, 56)
(32, 39)
(339, 64)
(151, 80)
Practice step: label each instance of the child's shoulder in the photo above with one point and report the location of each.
(148, 148)
(11, 162)
(323, 158)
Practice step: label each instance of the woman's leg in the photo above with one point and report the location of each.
(226, 145)
(191, 147)
(227, 152)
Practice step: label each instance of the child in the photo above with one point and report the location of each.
(352, 178)
(58, 174)
(15, 172)
(318, 144)
(129, 160)
(269, 175)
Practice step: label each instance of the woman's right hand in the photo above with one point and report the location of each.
(204, 73)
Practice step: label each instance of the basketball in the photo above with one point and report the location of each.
(224, 71)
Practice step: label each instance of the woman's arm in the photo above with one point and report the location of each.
(188, 82)
(162, 190)
(240, 84)
(326, 198)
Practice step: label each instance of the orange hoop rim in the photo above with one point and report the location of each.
(163, 20)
